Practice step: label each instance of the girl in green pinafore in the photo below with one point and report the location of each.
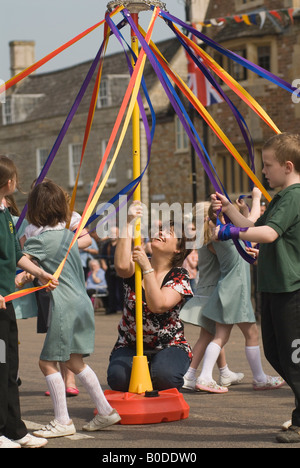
(223, 299)
(71, 331)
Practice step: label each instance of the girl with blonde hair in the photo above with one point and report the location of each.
(223, 299)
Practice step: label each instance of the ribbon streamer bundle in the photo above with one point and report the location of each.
(169, 81)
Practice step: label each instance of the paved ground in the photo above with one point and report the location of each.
(240, 419)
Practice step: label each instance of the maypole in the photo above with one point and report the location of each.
(140, 381)
(142, 405)
(140, 377)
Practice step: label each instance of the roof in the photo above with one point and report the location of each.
(233, 30)
(61, 87)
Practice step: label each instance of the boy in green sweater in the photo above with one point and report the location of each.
(278, 233)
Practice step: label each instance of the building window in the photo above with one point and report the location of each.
(243, 4)
(262, 53)
(182, 141)
(264, 57)
(104, 99)
(232, 175)
(8, 111)
(74, 163)
(220, 59)
(237, 71)
(112, 179)
(41, 158)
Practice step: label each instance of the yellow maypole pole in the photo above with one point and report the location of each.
(140, 381)
(140, 376)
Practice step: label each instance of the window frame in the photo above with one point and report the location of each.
(8, 101)
(246, 4)
(74, 165)
(39, 156)
(251, 46)
(113, 178)
(104, 95)
(181, 139)
(232, 175)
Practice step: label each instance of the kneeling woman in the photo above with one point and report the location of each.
(165, 286)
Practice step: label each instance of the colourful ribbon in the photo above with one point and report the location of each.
(241, 60)
(90, 118)
(132, 91)
(229, 231)
(239, 118)
(131, 187)
(213, 125)
(185, 120)
(232, 83)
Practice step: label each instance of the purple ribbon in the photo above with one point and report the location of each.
(229, 231)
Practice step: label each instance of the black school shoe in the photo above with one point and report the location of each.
(291, 436)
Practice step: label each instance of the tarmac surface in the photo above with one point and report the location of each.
(242, 418)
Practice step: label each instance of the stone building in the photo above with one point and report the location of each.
(36, 109)
(275, 46)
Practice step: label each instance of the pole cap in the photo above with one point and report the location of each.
(135, 6)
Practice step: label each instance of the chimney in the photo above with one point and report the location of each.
(22, 55)
(198, 10)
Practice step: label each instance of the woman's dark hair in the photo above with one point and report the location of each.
(47, 205)
(179, 257)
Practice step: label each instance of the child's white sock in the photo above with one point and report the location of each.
(210, 358)
(254, 360)
(92, 385)
(57, 391)
(191, 374)
(225, 371)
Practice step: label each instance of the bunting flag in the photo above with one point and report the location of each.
(251, 19)
(201, 91)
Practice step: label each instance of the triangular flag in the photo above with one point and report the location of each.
(246, 20)
(253, 18)
(238, 19)
(263, 15)
(276, 14)
(286, 13)
(291, 11)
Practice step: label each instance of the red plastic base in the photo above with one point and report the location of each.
(168, 406)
